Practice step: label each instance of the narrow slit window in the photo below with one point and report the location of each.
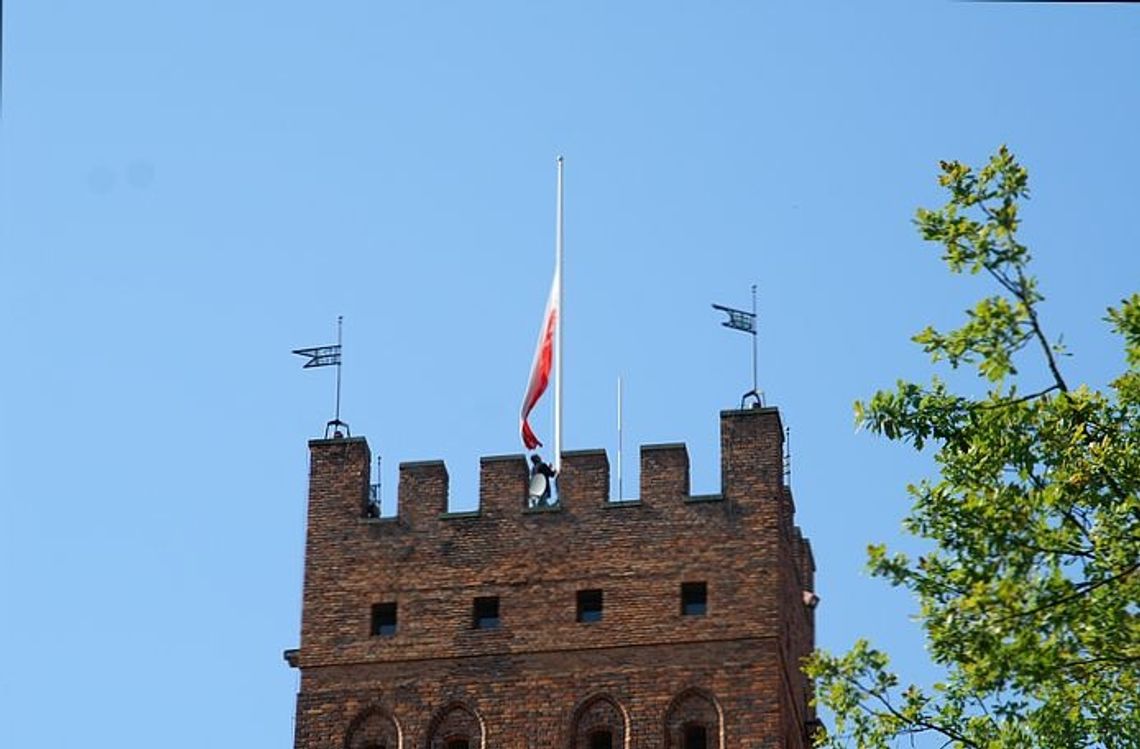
(694, 599)
(384, 619)
(589, 605)
(487, 612)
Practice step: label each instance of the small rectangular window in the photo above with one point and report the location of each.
(694, 599)
(384, 619)
(487, 612)
(589, 605)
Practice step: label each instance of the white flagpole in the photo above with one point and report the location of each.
(560, 323)
(621, 496)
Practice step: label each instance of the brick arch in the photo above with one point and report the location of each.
(694, 706)
(373, 727)
(456, 720)
(599, 711)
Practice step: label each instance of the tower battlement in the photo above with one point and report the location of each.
(481, 608)
(751, 458)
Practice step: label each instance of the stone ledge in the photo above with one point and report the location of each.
(464, 515)
(698, 498)
(542, 510)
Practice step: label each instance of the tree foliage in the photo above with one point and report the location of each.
(1030, 596)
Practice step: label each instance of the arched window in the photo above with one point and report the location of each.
(456, 727)
(599, 723)
(693, 721)
(372, 728)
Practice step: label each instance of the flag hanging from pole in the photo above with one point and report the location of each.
(738, 319)
(543, 363)
(320, 356)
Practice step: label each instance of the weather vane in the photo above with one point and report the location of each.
(739, 319)
(329, 356)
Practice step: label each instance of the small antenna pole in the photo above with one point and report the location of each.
(787, 456)
(619, 492)
(339, 324)
(376, 509)
(755, 335)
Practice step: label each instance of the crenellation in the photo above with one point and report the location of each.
(338, 478)
(789, 506)
(806, 560)
(787, 517)
(751, 453)
(423, 493)
(664, 473)
(584, 481)
(502, 485)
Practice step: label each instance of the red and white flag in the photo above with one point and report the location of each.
(543, 363)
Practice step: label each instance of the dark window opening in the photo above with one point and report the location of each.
(486, 614)
(457, 744)
(696, 737)
(589, 605)
(384, 619)
(694, 599)
(601, 740)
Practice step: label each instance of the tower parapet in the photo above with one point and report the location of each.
(646, 600)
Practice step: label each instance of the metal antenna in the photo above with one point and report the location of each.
(620, 495)
(340, 323)
(755, 387)
(374, 500)
(787, 456)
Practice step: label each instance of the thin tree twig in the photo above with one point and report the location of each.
(1014, 401)
(923, 723)
(1036, 325)
(1080, 592)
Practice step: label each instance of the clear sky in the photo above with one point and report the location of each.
(192, 189)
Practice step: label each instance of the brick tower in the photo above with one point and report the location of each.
(673, 620)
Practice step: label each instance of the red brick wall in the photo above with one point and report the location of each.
(541, 676)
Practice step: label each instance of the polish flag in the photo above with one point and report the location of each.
(542, 365)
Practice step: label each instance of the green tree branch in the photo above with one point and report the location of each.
(1030, 599)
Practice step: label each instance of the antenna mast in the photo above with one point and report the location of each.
(619, 491)
(339, 325)
(787, 456)
(755, 386)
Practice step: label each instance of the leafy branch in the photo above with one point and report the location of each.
(1030, 593)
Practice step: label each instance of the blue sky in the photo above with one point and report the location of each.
(191, 190)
